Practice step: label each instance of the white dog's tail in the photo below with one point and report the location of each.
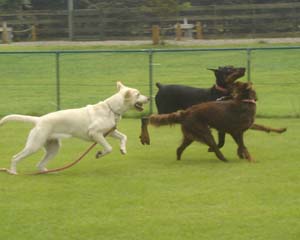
(19, 118)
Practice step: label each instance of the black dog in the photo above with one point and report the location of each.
(171, 98)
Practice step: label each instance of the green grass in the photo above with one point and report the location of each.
(147, 194)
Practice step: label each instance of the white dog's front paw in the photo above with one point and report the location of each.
(104, 152)
(12, 171)
(98, 154)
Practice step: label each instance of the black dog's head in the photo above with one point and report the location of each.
(225, 76)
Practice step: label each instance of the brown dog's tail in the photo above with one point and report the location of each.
(166, 119)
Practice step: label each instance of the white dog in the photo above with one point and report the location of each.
(88, 123)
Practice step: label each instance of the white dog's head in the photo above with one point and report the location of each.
(132, 97)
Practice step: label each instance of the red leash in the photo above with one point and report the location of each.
(68, 165)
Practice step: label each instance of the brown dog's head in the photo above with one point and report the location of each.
(225, 76)
(243, 90)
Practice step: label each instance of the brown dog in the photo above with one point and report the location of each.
(171, 98)
(233, 116)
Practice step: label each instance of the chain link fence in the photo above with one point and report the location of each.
(40, 82)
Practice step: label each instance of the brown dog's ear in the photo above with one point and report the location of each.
(249, 85)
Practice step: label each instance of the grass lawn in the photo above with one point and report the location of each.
(147, 194)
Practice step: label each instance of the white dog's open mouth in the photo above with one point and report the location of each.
(139, 106)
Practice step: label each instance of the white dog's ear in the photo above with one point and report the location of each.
(119, 85)
(128, 95)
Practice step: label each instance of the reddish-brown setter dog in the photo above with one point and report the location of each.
(233, 116)
(171, 98)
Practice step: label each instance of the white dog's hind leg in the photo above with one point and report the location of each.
(123, 139)
(99, 138)
(18, 157)
(34, 142)
(51, 148)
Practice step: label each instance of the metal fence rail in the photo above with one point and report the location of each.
(153, 55)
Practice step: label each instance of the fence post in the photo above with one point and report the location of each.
(57, 55)
(151, 80)
(5, 36)
(70, 19)
(178, 32)
(155, 34)
(33, 33)
(199, 30)
(248, 64)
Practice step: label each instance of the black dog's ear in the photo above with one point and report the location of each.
(228, 67)
(211, 69)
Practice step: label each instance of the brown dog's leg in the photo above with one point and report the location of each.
(185, 143)
(204, 135)
(209, 140)
(200, 131)
(247, 155)
(242, 150)
(144, 137)
(267, 129)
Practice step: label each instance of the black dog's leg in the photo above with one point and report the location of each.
(221, 143)
(221, 139)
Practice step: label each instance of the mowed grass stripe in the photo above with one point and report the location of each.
(147, 194)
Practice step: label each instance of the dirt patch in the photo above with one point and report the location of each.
(149, 42)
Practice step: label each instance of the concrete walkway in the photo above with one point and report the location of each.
(149, 42)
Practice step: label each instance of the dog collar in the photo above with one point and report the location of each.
(249, 101)
(113, 111)
(222, 98)
(221, 89)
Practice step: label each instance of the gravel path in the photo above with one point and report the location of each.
(148, 42)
